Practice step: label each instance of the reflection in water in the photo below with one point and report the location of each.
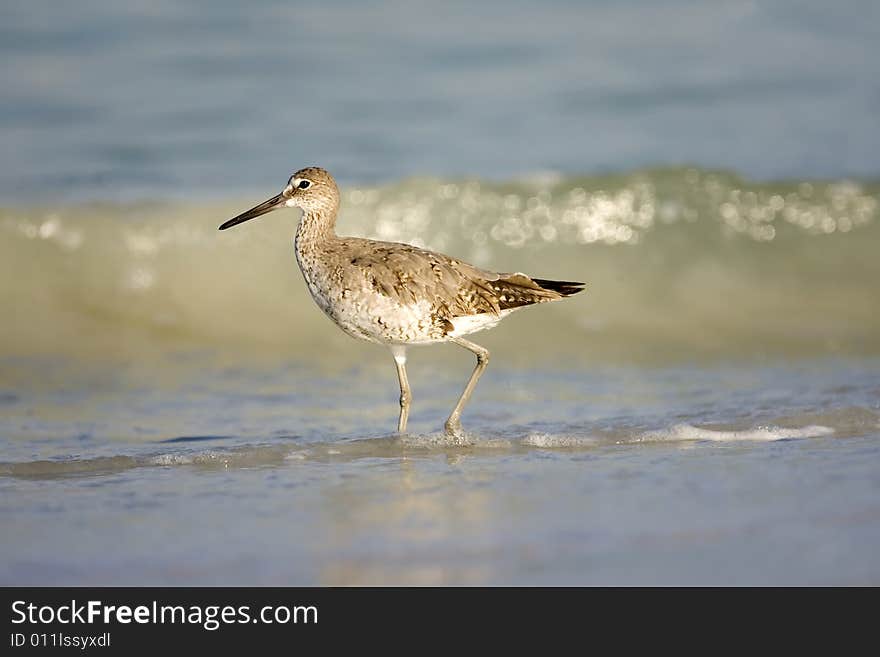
(403, 524)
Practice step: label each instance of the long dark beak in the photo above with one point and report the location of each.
(266, 206)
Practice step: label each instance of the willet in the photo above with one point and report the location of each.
(397, 294)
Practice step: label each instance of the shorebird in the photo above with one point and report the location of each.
(398, 294)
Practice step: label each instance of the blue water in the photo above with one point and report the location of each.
(204, 98)
(270, 474)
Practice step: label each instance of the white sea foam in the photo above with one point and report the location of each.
(689, 432)
(437, 440)
(184, 459)
(545, 440)
(263, 455)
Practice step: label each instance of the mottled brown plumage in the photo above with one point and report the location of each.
(398, 294)
(407, 274)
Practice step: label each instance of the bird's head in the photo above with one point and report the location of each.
(311, 189)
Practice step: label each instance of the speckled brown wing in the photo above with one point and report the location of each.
(454, 288)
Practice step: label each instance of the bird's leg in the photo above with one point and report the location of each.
(453, 424)
(399, 354)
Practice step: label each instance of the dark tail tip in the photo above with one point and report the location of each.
(565, 288)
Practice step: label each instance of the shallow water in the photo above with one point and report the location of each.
(731, 473)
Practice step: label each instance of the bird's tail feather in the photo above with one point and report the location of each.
(516, 290)
(565, 288)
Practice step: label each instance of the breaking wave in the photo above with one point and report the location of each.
(840, 423)
(678, 261)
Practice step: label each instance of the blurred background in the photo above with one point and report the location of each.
(201, 99)
(710, 169)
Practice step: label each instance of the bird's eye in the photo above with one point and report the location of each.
(304, 184)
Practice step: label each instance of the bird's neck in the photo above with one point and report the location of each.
(315, 227)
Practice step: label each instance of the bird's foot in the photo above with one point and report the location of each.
(453, 428)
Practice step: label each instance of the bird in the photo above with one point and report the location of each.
(396, 294)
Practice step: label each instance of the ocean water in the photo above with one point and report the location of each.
(200, 98)
(174, 409)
